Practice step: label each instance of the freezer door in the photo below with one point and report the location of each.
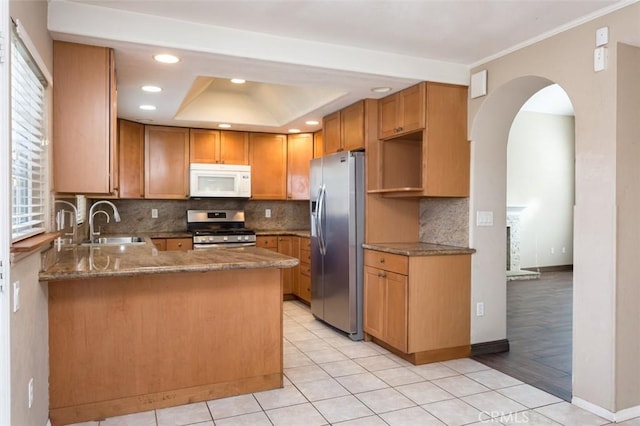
(317, 287)
(339, 232)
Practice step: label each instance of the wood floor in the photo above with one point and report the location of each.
(539, 326)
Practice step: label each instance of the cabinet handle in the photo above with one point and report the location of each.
(179, 244)
(382, 274)
(382, 260)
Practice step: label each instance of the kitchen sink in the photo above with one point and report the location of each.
(114, 241)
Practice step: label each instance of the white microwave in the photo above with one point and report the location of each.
(220, 180)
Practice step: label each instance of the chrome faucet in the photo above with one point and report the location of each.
(116, 216)
(60, 220)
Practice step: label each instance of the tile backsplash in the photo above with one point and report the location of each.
(136, 214)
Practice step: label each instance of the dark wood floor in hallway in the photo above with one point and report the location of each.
(539, 327)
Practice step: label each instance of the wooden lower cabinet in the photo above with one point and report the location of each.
(170, 244)
(283, 245)
(296, 281)
(418, 306)
(303, 289)
(120, 345)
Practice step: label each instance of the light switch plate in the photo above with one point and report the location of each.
(484, 218)
(602, 36)
(16, 296)
(600, 59)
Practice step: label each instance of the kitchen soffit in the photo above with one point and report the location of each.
(343, 50)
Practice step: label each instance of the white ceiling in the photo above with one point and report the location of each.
(303, 58)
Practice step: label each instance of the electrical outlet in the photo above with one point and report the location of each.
(553, 250)
(16, 296)
(267, 213)
(154, 213)
(30, 392)
(564, 249)
(480, 309)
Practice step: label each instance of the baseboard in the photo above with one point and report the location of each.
(618, 416)
(556, 268)
(492, 347)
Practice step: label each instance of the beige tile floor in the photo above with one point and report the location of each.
(330, 379)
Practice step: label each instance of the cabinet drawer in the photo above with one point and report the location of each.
(305, 255)
(160, 243)
(389, 262)
(179, 244)
(267, 242)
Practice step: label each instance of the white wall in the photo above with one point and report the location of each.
(602, 233)
(540, 177)
(29, 326)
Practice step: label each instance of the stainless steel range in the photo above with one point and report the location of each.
(219, 229)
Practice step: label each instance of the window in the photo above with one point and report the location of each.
(29, 171)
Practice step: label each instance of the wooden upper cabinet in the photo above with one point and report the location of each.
(331, 133)
(430, 155)
(352, 127)
(84, 109)
(318, 144)
(131, 159)
(349, 128)
(402, 112)
(166, 162)
(204, 146)
(299, 154)
(216, 146)
(268, 160)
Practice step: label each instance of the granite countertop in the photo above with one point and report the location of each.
(76, 261)
(294, 232)
(418, 249)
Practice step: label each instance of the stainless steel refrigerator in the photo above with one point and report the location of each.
(337, 233)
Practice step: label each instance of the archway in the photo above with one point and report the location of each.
(489, 133)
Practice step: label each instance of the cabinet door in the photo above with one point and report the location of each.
(318, 144)
(286, 247)
(411, 114)
(83, 137)
(204, 146)
(395, 324)
(374, 301)
(299, 154)
(166, 162)
(352, 121)
(331, 133)
(234, 147)
(268, 160)
(131, 159)
(387, 116)
(181, 244)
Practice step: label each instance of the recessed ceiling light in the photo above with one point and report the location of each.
(312, 122)
(148, 107)
(294, 130)
(166, 58)
(152, 89)
(238, 81)
(224, 125)
(381, 89)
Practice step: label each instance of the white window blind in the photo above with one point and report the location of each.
(28, 143)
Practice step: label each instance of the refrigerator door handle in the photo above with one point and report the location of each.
(319, 221)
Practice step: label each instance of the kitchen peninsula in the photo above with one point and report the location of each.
(132, 328)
